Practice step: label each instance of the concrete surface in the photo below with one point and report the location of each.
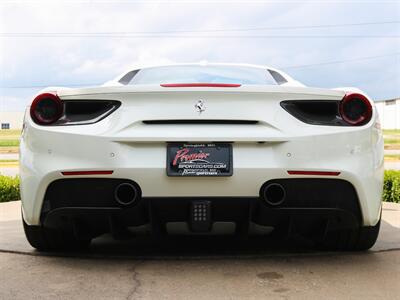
(354, 276)
(9, 171)
(198, 268)
(392, 165)
(9, 156)
(392, 152)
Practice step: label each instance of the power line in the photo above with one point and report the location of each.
(285, 67)
(340, 61)
(54, 84)
(18, 34)
(180, 2)
(213, 36)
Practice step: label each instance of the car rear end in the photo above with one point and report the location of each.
(281, 157)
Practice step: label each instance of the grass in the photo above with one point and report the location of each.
(392, 157)
(9, 188)
(391, 131)
(392, 141)
(7, 163)
(391, 138)
(9, 143)
(9, 140)
(10, 133)
(8, 150)
(391, 186)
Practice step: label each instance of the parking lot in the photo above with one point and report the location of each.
(198, 268)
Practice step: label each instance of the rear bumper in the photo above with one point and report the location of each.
(88, 208)
(89, 222)
(253, 166)
(357, 153)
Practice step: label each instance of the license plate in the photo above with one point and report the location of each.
(203, 159)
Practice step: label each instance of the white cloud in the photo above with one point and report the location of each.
(54, 60)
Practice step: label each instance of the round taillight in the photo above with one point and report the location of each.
(355, 109)
(46, 109)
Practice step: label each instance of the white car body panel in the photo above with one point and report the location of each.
(277, 143)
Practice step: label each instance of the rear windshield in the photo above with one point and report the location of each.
(202, 74)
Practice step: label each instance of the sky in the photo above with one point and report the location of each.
(320, 43)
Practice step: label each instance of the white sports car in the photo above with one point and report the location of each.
(201, 148)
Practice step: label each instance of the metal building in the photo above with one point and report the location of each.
(389, 113)
(11, 120)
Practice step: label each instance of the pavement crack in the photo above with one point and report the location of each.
(136, 282)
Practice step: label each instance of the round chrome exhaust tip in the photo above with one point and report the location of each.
(126, 194)
(273, 194)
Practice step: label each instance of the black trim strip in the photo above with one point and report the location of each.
(200, 122)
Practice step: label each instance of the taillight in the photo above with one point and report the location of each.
(46, 109)
(355, 109)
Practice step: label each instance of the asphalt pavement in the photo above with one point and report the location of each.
(198, 268)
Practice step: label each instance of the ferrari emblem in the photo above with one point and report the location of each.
(200, 106)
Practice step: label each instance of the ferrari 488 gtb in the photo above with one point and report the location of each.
(200, 149)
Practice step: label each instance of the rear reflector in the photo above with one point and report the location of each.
(71, 173)
(200, 85)
(318, 173)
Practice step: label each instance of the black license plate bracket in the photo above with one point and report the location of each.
(199, 159)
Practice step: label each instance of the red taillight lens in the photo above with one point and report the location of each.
(46, 109)
(355, 109)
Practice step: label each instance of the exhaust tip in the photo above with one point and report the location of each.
(126, 194)
(273, 194)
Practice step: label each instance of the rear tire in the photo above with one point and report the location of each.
(367, 237)
(360, 239)
(44, 239)
(36, 237)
